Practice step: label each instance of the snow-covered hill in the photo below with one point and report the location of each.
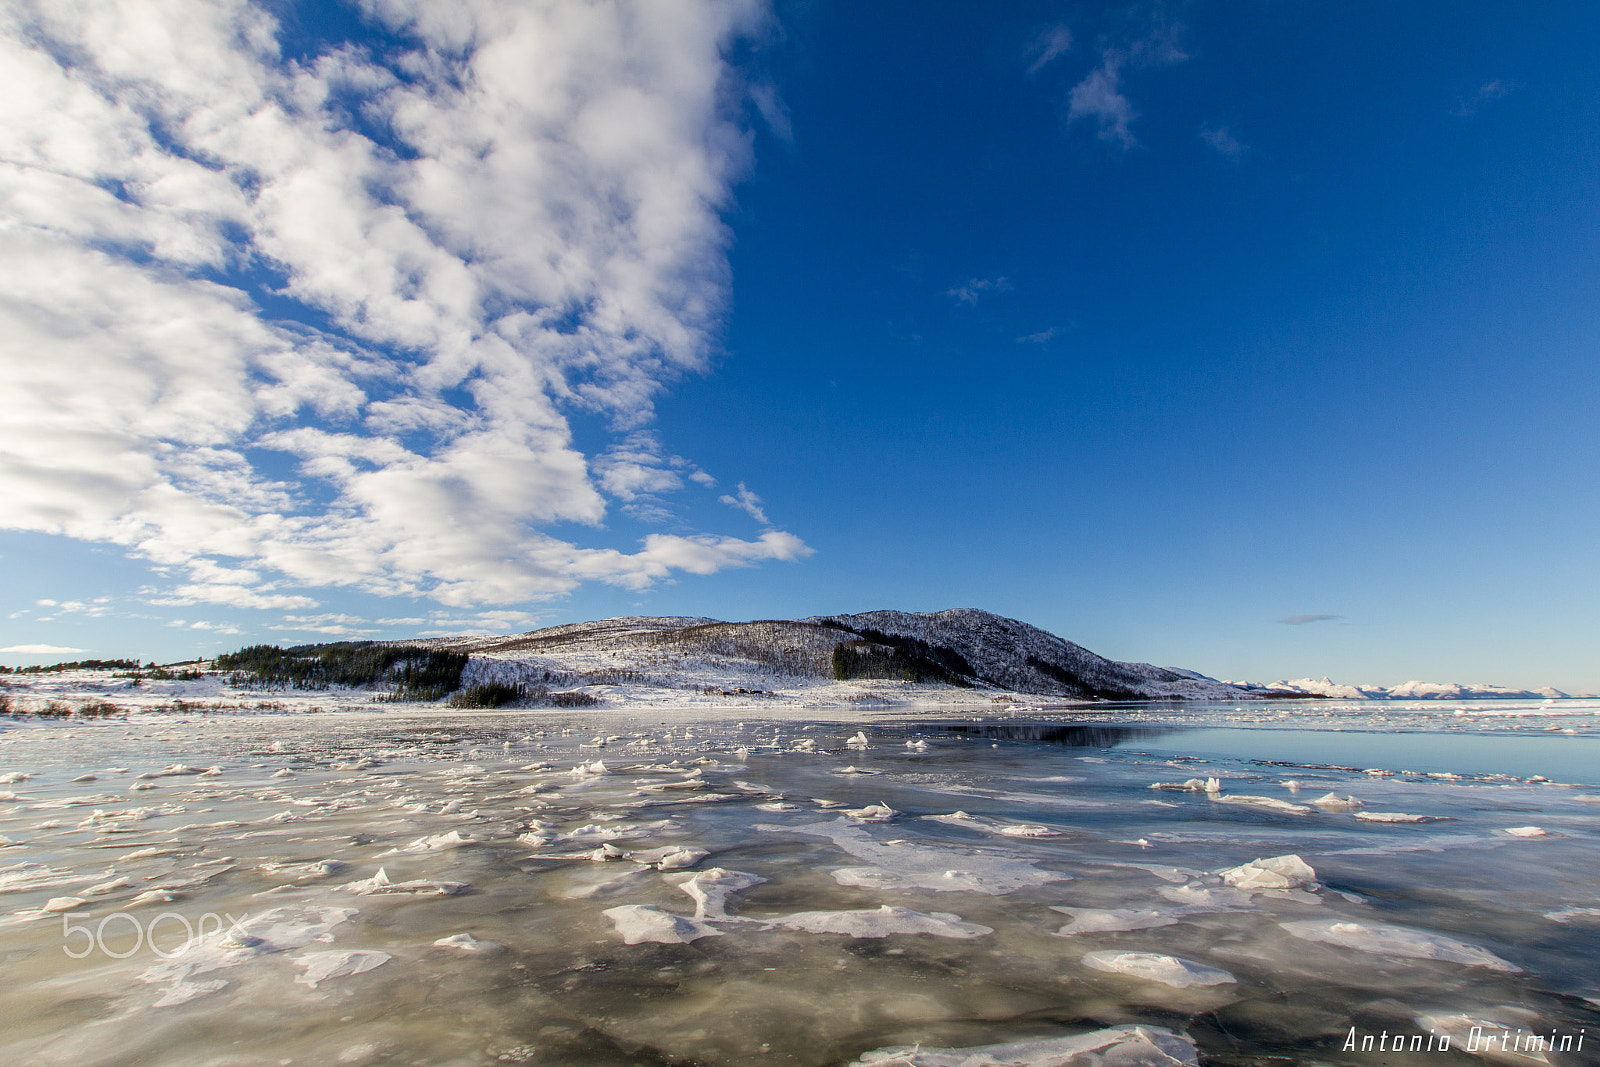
(1325, 687)
(962, 648)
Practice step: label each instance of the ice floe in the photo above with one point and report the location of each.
(1112, 920)
(637, 923)
(321, 966)
(1400, 941)
(1283, 807)
(467, 943)
(1153, 967)
(1193, 785)
(880, 922)
(422, 887)
(1395, 817)
(1279, 872)
(908, 865)
(711, 889)
(1118, 1046)
(279, 930)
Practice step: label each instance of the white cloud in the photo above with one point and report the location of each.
(333, 624)
(1037, 338)
(976, 287)
(746, 502)
(1049, 45)
(42, 650)
(1099, 96)
(1223, 140)
(1487, 93)
(233, 596)
(547, 239)
(636, 467)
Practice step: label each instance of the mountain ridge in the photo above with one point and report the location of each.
(958, 647)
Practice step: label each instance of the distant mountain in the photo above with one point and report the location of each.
(963, 647)
(1325, 687)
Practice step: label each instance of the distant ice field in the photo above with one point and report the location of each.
(1135, 885)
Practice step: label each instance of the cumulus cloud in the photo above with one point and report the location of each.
(1301, 620)
(310, 321)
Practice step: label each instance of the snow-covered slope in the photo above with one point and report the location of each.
(1014, 655)
(1325, 687)
(962, 647)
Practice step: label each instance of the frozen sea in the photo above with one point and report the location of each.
(1213, 885)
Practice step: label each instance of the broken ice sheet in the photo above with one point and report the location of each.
(1118, 1046)
(321, 966)
(880, 922)
(637, 923)
(1399, 941)
(906, 865)
(1112, 920)
(1154, 967)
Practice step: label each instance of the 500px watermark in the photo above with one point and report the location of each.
(116, 928)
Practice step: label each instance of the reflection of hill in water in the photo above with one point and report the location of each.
(1071, 735)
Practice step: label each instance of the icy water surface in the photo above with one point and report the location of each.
(474, 889)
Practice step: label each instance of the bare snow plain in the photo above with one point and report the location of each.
(754, 879)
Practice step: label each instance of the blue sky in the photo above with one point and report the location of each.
(1155, 326)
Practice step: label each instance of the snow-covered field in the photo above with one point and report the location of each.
(750, 879)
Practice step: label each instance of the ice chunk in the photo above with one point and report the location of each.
(1490, 1025)
(1268, 803)
(1574, 914)
(1209, 898)
(380, 883)
(641, 922)
(904, 865)
(1029, 830)
(880, 922)
(1119, 1046)
(1396, 817)
(1279, 872)
(1397, 941)
(466, 943)
(321, 966)
(1332, 801)
(55, 904)
(879, 812)
(1105, 921)
(671, 858)
(1527, 831)
(1193, 785)
(437, 843)
(274, 931)
(1154, 967)
(858, 741)
(711, 888)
